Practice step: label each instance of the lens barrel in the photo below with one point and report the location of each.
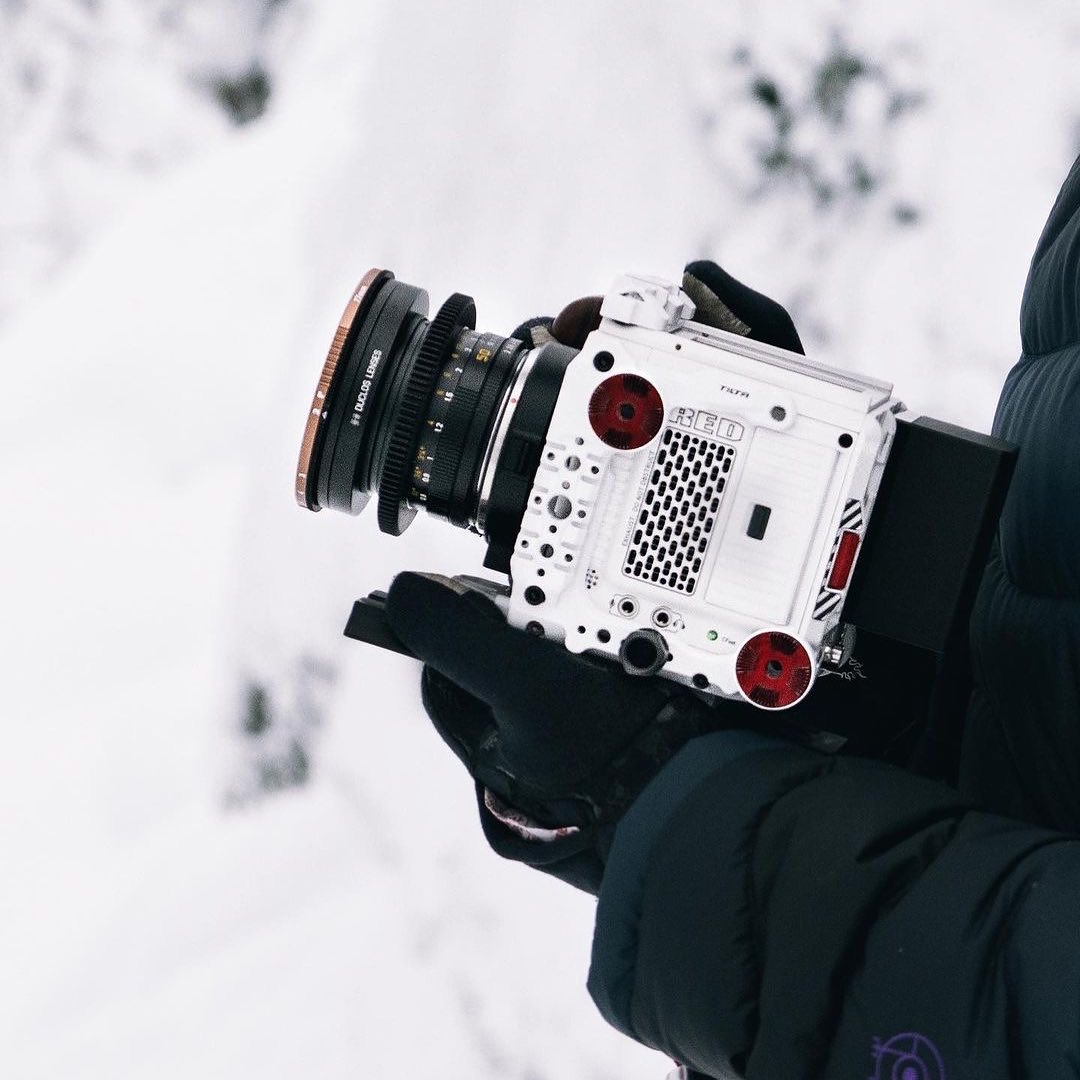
(458, 425)
(426, 413)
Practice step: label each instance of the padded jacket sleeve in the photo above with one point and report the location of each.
(770, 913)
(1021, 753)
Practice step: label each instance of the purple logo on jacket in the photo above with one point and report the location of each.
(909, 1056)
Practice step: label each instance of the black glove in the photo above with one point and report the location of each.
(560, 743)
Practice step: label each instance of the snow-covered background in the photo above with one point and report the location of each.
(231, 845)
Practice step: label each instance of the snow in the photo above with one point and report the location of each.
(160, 917)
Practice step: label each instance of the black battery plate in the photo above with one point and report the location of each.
(930, 532)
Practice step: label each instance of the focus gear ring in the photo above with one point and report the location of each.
(459, 312)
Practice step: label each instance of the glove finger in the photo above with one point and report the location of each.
(467, 725)
(577, 321)
(462, 721)
(463, 635)
(725, 302)
(560, 715)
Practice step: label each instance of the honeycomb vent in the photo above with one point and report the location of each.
(678, 510)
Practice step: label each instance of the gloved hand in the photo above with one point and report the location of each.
(560, 744)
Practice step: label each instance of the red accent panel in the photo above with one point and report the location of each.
(844, 561)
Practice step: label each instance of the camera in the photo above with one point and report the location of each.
(689, 502)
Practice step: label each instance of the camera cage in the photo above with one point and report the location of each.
(700, 501)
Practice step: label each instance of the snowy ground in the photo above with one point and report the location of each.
(153, 395)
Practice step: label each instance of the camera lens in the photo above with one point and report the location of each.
(430, 414)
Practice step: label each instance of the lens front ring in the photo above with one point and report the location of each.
(353, 451)
(314, 437)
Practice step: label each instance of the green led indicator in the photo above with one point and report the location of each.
(712, 635)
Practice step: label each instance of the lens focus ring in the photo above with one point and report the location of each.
(459, 312)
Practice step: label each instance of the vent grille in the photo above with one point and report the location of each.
(678, 510)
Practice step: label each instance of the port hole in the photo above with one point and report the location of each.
(559, 507)
(774, 669)
(641, 653)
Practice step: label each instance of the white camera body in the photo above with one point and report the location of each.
(700, 502)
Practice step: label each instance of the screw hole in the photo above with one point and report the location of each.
(603, 635)
(573, 463)
(778, 413)
(603, 361)
(534, 595)
(845, 440)
(547, 550)
(700, 681)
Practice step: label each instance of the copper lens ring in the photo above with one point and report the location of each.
(315, 427)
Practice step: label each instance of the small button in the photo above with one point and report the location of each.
(759, 520)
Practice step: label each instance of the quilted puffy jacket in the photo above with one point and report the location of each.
(772, 913)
